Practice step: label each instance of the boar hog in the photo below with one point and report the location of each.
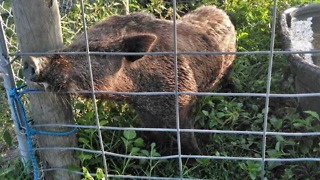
(204, 29)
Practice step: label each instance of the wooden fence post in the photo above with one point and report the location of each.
(39, 30)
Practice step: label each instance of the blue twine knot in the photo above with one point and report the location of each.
(15, 95)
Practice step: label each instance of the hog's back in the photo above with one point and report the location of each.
(194, 34)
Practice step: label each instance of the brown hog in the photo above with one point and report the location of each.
(205, 29)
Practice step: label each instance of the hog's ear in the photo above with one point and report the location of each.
(137, 43)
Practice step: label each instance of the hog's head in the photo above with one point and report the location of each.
(71, 72)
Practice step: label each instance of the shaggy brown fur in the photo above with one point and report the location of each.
(205, 29)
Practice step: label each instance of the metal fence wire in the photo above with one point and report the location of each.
(9, 28)
(66, 7)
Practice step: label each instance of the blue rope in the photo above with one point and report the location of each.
(15, 95)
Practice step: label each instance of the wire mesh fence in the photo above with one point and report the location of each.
(9, 28)
(116, 148)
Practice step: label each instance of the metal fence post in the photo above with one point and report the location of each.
(9, 82)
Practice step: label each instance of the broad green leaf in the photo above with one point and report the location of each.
(103, 123)
(134, 150)
(85, 156)
(139, 142)
(313, 114)
(206, 113)
(129, 134)
(220, 114)
(279, 138)
(145, 152)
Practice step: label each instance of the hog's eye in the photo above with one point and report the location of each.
(33, 71)
(25, 66)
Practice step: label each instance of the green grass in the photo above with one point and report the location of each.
(252, 20)
(6, 127)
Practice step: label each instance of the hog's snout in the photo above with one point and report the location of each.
(33, 67)
(29, 71)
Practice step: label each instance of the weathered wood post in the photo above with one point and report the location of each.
(38, 30)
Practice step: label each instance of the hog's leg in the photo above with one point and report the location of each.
(189, 144)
